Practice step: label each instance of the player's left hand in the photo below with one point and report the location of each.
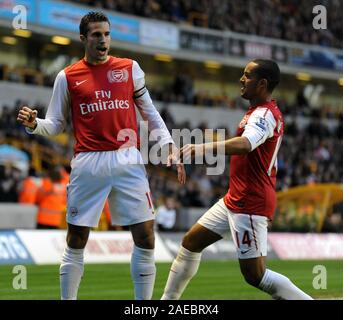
(174, 158)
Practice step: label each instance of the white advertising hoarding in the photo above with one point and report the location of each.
(46, 246)
(300, 246)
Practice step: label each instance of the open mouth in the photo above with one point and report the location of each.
(101, 50)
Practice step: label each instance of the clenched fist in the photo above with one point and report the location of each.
(27, 117)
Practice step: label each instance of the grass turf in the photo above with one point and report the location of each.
(215, 280)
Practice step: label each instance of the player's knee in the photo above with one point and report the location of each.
(77, 239)
(145, 241)
(76, 242)
(190, 243)
(253, 278)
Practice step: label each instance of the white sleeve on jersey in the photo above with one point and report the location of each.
(55, 118)
(260, 127)
(156, 125)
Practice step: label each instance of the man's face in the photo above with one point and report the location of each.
(97, 42)
(251, 86)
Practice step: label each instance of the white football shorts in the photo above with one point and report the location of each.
(118, 175)
(248, 231)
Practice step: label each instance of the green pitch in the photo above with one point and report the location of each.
(215, 280)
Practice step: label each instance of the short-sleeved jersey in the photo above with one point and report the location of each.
(253, 176)
(102, 104)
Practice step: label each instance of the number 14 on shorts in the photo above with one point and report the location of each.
(243, 238)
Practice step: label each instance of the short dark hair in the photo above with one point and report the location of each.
(269, 70)
(92, 16)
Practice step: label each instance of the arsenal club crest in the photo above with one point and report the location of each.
(115, 76)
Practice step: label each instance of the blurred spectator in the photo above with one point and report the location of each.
(166, 215)
(28, 189)
(2, 71)
(189, 196)
(183, 89)
(9, 183)
(301, 99)
(51, 200)
(334, 221)
(339, 130)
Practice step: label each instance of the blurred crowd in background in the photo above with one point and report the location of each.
(308, 155)
(283, 19)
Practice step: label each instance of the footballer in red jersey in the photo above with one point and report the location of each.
(101, 93)
(251, 199)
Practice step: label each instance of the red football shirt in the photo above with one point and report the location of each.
(101, 100)
(253, 176)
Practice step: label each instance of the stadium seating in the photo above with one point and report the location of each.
(283, 19)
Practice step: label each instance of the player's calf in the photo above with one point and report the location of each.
(71, 272)
(143, 272)
(253, 270)
(253, 279)
(183, 269)
(280, 287)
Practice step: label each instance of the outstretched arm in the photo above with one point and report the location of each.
(237, 145)
(260, 127)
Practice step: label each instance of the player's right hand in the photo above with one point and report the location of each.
(174, 158)
(189, 151)
(27, 117)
